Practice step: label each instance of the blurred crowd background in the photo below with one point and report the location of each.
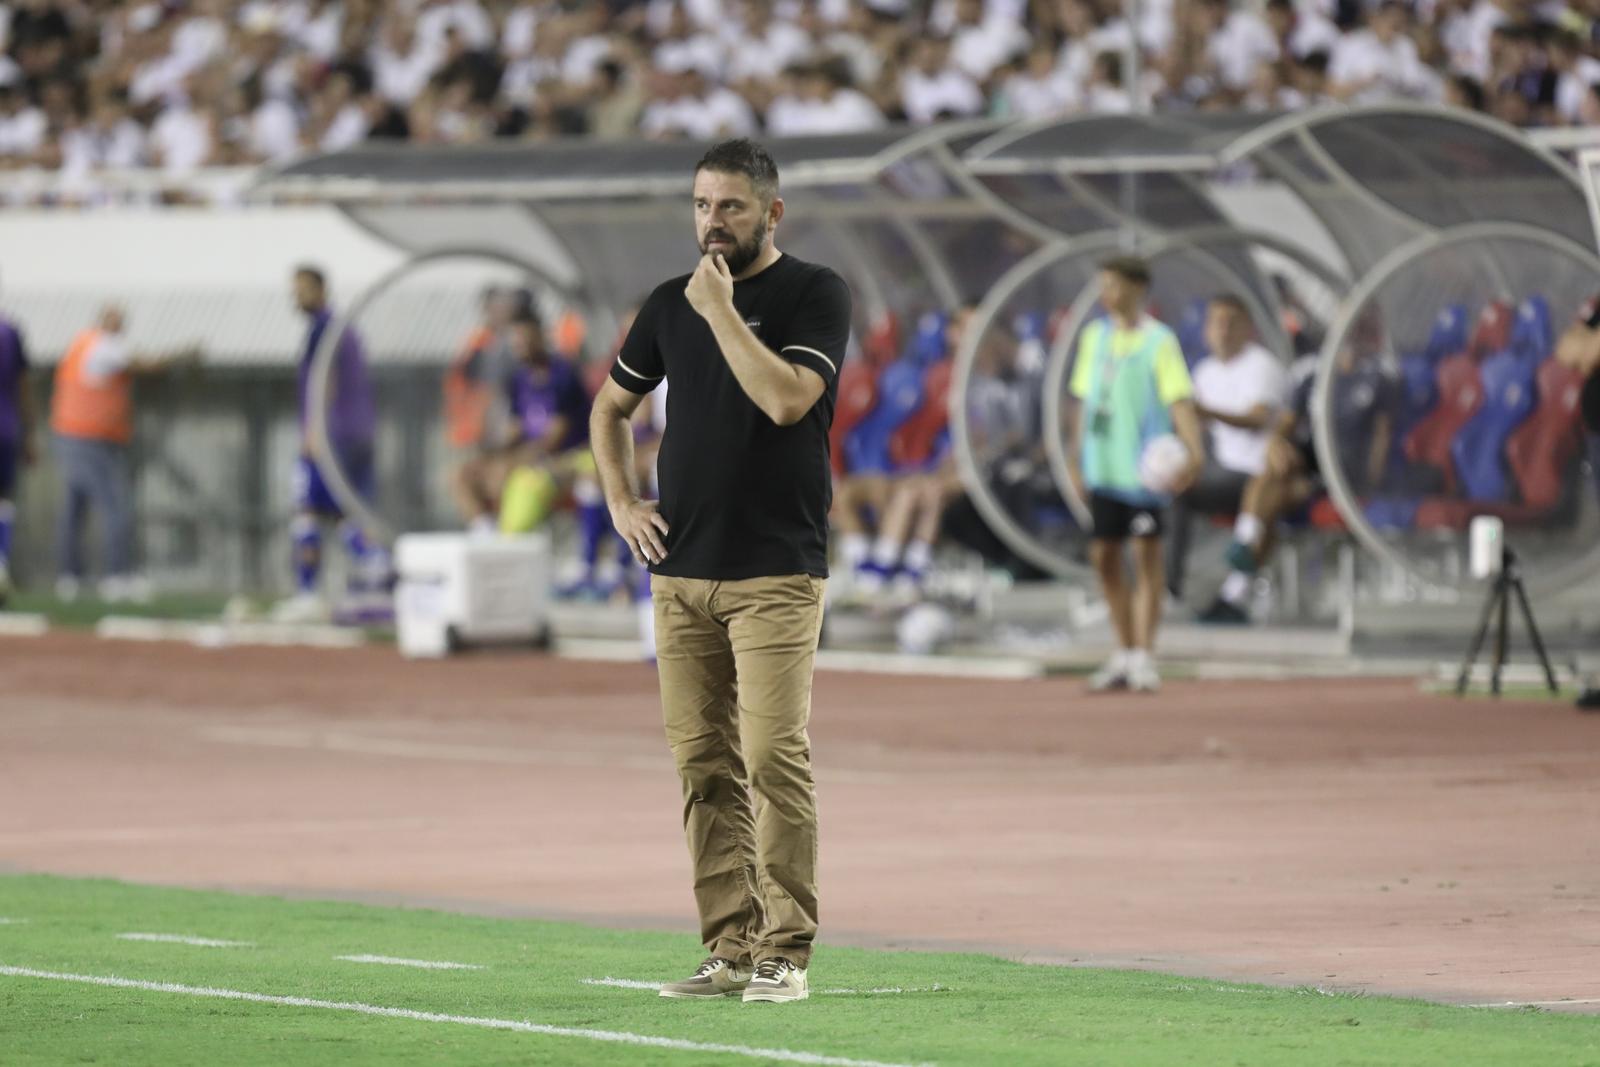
(94, 85)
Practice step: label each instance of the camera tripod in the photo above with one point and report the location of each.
(1507, 582)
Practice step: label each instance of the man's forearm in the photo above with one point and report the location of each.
(611, 439)
(771, 382)
(1187, 423)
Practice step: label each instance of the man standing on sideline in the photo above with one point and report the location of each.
(1132, 386)
(16, 437)
(751, 345)
(91, 412)
(1579, 348)
(352, 421)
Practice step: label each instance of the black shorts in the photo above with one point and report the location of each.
(1117, 520)
(1218, 490)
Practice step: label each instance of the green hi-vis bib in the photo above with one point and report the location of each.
(1122, 411)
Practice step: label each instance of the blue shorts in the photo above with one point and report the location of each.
(10, 457)
(311, 492)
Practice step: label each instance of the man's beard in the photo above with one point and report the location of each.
(744, 253)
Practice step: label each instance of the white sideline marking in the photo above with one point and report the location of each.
(11, 922)
(622, 1037)
(180, 939)
(396, 961)
(633, 983)
(1535, 1003)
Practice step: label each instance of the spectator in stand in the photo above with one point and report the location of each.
(932, 87)
(1380, 62)
(1040, 87)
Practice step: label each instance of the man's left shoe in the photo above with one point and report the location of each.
(776, 981)
(1589, 700)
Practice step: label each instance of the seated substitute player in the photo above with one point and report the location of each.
(1132, 386)
(352, 422)
(513, 487)
(1239, 390)
(1579, 348)
(1292, 475)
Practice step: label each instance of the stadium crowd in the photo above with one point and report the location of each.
(180, 84)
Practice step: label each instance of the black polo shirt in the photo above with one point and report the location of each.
(743, 497)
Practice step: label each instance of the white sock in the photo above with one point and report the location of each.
(1121, 659)
(1247, 530)
(484, 524)
(1139, 657)
(886, 553)
(1235, 587)
(919, 556)
(855, 547)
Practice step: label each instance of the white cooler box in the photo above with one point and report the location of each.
(455, 590)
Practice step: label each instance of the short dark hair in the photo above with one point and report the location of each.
(314, 273)
(1231, 301)
(1134, 268)
(743, 156)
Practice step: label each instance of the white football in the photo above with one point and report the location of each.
(1162, 461)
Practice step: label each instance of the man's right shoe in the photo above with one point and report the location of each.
(1241, 557)
(1112, 676)
(716, 977)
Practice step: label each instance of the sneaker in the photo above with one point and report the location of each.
(1143, 677)
(716, 977)
(1241, 558)
(301, 608)
(1113, 675)
(1589, 699)
(1223, 613)
(776, 981)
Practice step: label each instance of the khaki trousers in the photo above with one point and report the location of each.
(735, 662)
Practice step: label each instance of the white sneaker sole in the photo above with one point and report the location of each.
(672, 994)
(774, 997)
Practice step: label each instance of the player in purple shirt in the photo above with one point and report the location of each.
(352, 421)
(16, 437)
(542, 451)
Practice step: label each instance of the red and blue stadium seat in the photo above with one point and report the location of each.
(1492, 332)
(1460, 397)
(922, 440)
(1478, 450)
(1543, 452)
(1532, 336)
(866, 447)
(858, 392)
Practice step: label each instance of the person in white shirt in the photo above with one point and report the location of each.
(1239, 43)
(1238, 389)
(1575, 72)
(437, 17)
(981, 42)
(182, 139)
(822, 101)
(1300, 31)
(1379, 63)
(930, 88)
(761, 47)
(1042, 88)
(401, 65)
(22, 126)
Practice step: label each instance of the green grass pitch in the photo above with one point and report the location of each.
(530, 977)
